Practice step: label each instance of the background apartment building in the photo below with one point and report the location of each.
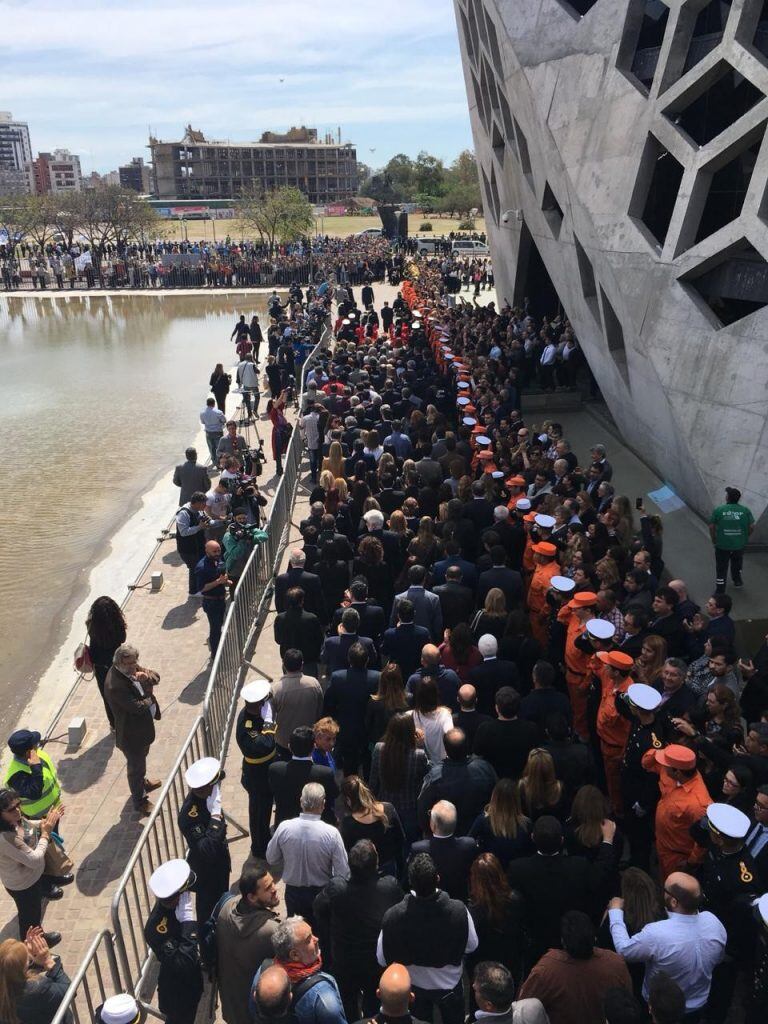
(195, 168)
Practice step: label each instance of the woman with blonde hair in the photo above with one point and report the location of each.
(386, 466)
(502, 829)
(650, 660)
(607, 573)
(369, 818)
(28, 996)
(423, 548)
(541, 792)
(340, 484)
(492, 617)
(324, 484)
(334, 460)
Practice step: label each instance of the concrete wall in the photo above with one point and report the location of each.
(554, 103)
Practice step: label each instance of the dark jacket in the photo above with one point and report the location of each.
(457, 603)
(488, 677)
(191, 477)
(335, 652)
(313, 592)
(506, 745)
(508, 580)
(403, 644)
(134, 724)
(346, 700)
(453, 857)
(467, 784)
(469, 722)
(288, 778)
(41, 997)
(372, 619)
(295, 628)
(349, 914)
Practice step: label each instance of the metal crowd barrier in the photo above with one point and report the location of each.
(96, 979)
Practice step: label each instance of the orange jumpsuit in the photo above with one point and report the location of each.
(537, 599)
(576, 676)
(613, 730)
(680, 807)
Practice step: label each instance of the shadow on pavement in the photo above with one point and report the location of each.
(78, 773)
(194, 691)
(182, 615)
(106, 863)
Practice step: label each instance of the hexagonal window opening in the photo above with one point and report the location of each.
(731, 285)
(614, 336)
(480, 103)
(497, 143)
(706, 32)
(727, 184)
(552, 210)
(491, 192)
(713, 103)
(587, 278)
(642, 41)
(577, 8)
(476, 6)
(488, 82)
(467, 37)
(493, 45)
(495, 197)
(523, 153)
(473, 33)
(656, 190)
(506, 113)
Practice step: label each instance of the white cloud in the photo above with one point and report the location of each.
(98, 74)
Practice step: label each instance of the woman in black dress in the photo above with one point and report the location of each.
(219, 384)
(368, 818)
(106, 631)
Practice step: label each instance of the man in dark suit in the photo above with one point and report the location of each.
(544, 700)
(295, 628)
(452, 854)
(453, 557)
(404, 643)
(635, 631)
(574, 764)
(426, 605)
(335, 650)
(456, 601)
(295, 576)
(479, 511)
(288, 778)
(346, 700)
(388, 498)
(468, 718)
(666, 623)
(191, 477)
(551, 883)
(505, 743)
(466, 782)
(499, 575)
(491, 674)
(374, 521)
(372, 619)
(679, 696)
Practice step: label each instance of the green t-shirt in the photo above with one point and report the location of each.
(731, 523)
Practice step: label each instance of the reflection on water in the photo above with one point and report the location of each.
(100, 396)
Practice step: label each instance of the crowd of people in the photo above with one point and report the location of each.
(511, 768)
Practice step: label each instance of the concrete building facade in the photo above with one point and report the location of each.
(195, 168)
(135, 176)
(56, 172)
(622, 155)
(15, 155)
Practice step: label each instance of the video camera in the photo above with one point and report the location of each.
(243, 531)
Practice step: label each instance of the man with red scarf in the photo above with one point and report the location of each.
(296, 979)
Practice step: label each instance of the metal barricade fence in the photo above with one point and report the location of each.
(96, 979)
(160, 841)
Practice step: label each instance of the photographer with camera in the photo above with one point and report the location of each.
(212, 580)
(233, 443)
(248, 379)
(238, 544)
(191, 523)
(217, 504)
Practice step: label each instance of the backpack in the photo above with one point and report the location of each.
(208, 947)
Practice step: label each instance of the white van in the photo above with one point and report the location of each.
(470, 247)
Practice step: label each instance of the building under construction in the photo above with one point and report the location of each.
(196, 168)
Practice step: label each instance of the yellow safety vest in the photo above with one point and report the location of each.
(51, 788)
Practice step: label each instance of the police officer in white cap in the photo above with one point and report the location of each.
(171, 934)
(730, 885)
(639, 788)
(561, 590)
(120, 1009)
(201, 822)
(255, 735)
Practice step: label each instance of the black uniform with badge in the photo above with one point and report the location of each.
(639, 788)
(180, 982)
(208, 855)
(256, 739)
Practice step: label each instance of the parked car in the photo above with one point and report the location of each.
(470, 247)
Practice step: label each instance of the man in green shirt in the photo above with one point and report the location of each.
(729, 527)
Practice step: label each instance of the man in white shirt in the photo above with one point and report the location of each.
(248, 379)
(310, 425)
(687, 946)
(213, 421)
(307, 852)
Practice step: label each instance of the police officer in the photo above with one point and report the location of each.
(120, 1009)
(639, 788)
(171, 934)
(729, 884)
(32, 774)
(757, 999)
(202, 824)
(255, 735)
(561, 590)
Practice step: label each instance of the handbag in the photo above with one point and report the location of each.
(83, 662)
(57, 860)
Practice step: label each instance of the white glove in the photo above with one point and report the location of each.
(185, 910)
(213, 803)
(639, 812)
(266, 711)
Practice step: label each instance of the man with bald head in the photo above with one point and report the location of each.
(395, 995)
(468, 718)
(211, 581)
(452, 854)
(666, 946)
(447, 681)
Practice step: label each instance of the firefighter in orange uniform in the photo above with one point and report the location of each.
(516, 486)
(574, 616)
(545, 567)
(613, 728)
(684, 801)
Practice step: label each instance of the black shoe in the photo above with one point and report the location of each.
(52, 938)
(738, 583)
(63, 879)
(54, 893)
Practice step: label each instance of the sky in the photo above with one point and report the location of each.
(94, 76)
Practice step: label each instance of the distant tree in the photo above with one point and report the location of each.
(461, 199)
(402, 173)
(43, 223)
(381, 188)
(463, 170)
(426, 202)
(428, 173)
(66, 216)
(17, 217)
(282, 215)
